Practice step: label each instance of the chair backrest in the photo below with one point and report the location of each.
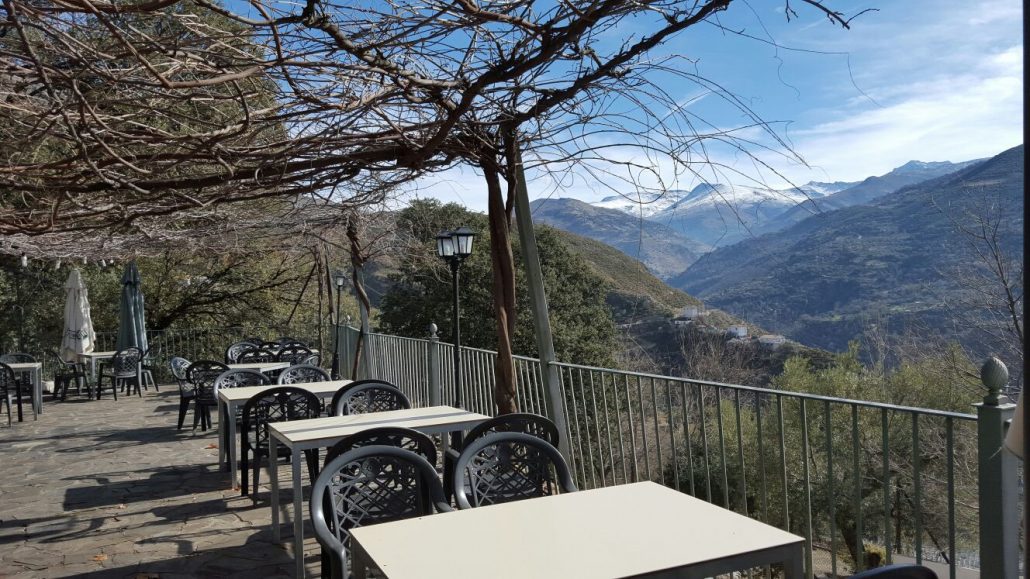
(370, 397)
(343, 389)
(897, 572)
(273, 346)
(509, 466)
(314, 359)
(202, 374)
(397, 436)
(232, 353)
(60, 360)
(293, 354)
(7, 378)
(302, 373)
(239, 379)
(524, 422)
(126, 362)
(17, 358)
(288, 341)
(280, 404)
(369, 485)
(178, 367)
(255, 355)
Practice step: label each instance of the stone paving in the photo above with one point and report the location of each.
(110, 489)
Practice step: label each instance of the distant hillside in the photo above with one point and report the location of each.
(862, 193)
(662, 250)
(635, 292)
(823, 280)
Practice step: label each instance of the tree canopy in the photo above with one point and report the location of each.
(584, 331)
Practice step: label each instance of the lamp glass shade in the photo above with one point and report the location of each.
(444, 244)
(340, 278)
(1014, 438)
(463, 237)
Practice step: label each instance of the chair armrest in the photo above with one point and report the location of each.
(442, 507)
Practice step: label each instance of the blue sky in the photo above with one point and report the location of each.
(932, 80)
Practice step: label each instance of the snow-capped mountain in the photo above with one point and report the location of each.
(717, 213)
(645, 204)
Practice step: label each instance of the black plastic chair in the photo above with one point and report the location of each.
(281, 404)
(343, 389)
(202, 375)
(366, 486)
(8, 382)
(255, 355)
(293, 354)
(149, 362)
(187, 393)
(23, 379)
(508, 466)
(232, 353)
(526, 423)
(371, 397)
(897, 572)
(125, 371)
(398, 436)
(301, 374)
(65, 373)
(284, 341)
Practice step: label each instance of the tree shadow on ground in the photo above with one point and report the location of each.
(161, 483)
(257, 557)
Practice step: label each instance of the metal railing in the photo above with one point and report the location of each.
(193, 344)
(864, 482)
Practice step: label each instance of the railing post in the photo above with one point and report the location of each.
(433, 368)
(998, 477)
(345, 349)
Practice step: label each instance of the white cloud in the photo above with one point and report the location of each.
(972, 113)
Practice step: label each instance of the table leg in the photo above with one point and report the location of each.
(37, 375)
(793, 568)
(221, 435)
(358, 561)
(273, 473)
(233, 446)
(298, 512)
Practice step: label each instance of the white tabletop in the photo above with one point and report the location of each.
(25, 365)
(316, 432)
(617, 531)
(320, 389)
(99, 354)
(260, 366)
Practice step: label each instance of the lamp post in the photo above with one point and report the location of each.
(339, 278)
(454, 247)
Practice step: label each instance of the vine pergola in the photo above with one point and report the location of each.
(158, 123)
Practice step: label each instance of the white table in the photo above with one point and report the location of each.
(93, 358)
(640, 529)
(301, 435)
(35, 370)
(229, 399)
(260, 366)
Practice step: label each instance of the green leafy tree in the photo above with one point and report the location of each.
(583, 329)
(840, 471)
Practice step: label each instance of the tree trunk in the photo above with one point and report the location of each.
(503, 288)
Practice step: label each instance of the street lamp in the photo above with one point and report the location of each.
(454, 247)
(339, 278)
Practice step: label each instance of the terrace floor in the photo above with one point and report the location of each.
(112, 489)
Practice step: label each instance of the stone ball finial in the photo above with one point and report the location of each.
(994, 376)
(432, 330)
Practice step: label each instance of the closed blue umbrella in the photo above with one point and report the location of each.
(132, 329)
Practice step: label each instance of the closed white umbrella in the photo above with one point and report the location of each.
(79, 337)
